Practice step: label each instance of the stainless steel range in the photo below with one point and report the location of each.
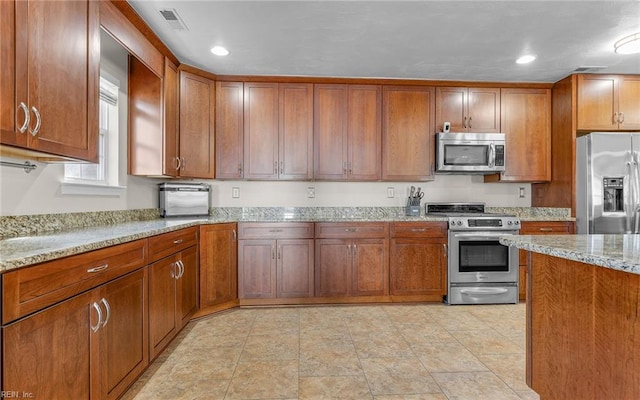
(480, 269)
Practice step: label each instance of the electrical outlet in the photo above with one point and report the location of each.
(521, 192)
(391, 192)
(311, 192)
(235, 192)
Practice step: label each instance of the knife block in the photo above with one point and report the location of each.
(412, 211)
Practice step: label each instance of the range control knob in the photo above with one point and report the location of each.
(510, 223)
(459, 223)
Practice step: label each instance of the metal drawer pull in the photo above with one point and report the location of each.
(38, 122)
(351, 229)
(178, 241)
(484, 291)
(108, 309)
(275, 230)
(99, 324)
(27, 117)
(98, 269)
(546, 229)
(418, 229)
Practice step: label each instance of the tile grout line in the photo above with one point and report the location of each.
(235, 368)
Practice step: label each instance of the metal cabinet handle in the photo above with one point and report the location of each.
(99, 311)
(27, 117)
(464, 124)
(280, 253)
(445, 250)
(235, 235)
(178, 241)
(621, 117)
(98, 269)
(469, 122)
(615, 119)
(240, 168)
(38, 122)
(344, 168)
(183, 163)
(174, 266)
(180, 266)
(275, 167)
(281, 167)
(178, 163)
(108, 309)
(350, 167)
(273, 252)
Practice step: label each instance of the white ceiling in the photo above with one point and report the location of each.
(442, 40)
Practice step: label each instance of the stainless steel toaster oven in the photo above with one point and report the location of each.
(184, 199)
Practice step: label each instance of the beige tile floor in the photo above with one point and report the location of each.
(382, 352)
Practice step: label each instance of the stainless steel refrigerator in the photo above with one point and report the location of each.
(608, 183)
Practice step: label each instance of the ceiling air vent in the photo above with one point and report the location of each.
(589, 69)
(173, 19)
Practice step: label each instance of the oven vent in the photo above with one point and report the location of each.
(595, 68)
(173, 19)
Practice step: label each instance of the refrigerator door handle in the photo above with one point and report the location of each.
(636, 184)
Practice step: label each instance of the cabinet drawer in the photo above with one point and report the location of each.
(164, 245)
(276, 230)
(33, 288)
(418, 229)
(546, 227)
(352, 230)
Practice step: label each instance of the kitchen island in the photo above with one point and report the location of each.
(583, 315)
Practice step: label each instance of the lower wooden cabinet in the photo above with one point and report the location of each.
(218, 264)
(93, 345)
(173, 296)
(278, 266)
(538, 228)
(352, 259)
(418, 265)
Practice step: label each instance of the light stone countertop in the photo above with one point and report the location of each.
(58, 235)
(619, 252)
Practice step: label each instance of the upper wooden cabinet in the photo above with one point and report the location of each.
(407, 133)
(229, 130)
(278, 131)
(468, 109)
(526, 122)
(608, 102)
(347, 132)
(49, 88)
(197, 114)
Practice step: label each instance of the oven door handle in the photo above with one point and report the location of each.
(483, 236)
(483, 291)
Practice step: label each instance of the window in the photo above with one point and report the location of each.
(105, 172)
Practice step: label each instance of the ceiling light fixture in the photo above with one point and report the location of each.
(525, 59)
(219, 51)
(628, 45)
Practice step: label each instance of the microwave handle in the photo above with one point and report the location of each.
(492, 155)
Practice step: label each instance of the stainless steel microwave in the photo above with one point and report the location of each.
(470, 153)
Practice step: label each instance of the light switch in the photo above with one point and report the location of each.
(521, 191)
(391, 192)
(235, 192)
(311, 192)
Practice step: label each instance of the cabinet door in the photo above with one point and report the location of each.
(296, 131)
(218, 264)
(124, 338)
(364, 136)
(11, 117)
(333, 267)
(484, 110)
(261, 130)
(418, 266)
(229, 130)
(295, 268)
(256, 269)
(451, 106)
(62, 101)
(597, 104)
(187, 285)
(197, 111)
(163, 324)
(370, 267)
(146, 94)
(170, 114)
(330, 132)
(51, 354)
(526, 121)
(629, 98)
(407, 133)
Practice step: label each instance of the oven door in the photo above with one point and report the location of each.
(476, 257)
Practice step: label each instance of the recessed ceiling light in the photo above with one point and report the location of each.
(525, 59)
(628, 45)
(219, 51)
